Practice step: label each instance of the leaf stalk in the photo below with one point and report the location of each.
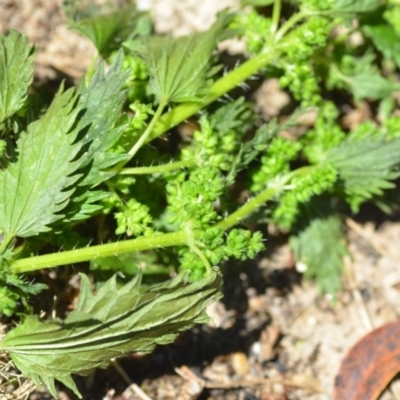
(158, 169)
(219, 88)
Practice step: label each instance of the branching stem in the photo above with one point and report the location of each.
(290, 23)
(179, 238)
(276, 16)
(252, 205)
(99, 251)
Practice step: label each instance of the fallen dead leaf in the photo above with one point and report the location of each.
(370, 365)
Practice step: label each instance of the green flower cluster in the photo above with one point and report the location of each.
(302, 42)
(120, 184)
(141, 114)
(275, 162)
(217, 247)
(299, 48)
(134, 219)
(325, 134)
(254, 28)
(300, 78)
(191, 201)
(138, 76)
(315, 181)
(193, 205)
(217, 142)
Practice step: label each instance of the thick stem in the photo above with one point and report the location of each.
(179, 238)
(99, 251)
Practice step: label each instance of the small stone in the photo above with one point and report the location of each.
(240, 364)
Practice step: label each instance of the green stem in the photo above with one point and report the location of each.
(158, 169)
(180, 238)
(290, 23)
(242, 212)
(276, 16)
(143, 138)
(269, 193)
(104, 250)
(295, 19)
(191, 242)
(218, 89)
(149, 129)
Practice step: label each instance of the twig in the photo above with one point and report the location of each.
(363, 311)
(132, 386)
(260, 382)
(186, 373)
(122, 372)
(358, 229)
(135, 388)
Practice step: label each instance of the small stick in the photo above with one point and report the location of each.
(122, 372)
(186, 373)
(135, 388)
(132, 386)
(364, 314)
(358, 229)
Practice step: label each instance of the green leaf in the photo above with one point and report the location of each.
(179, 67)
(236, 116)
(108, 30)
(14, 291)
(366, 165)
(319, 247)
(356, 6)
(263, 136)
(102, 100)
(385, 39)
(110, 324)
(257, 3)
(83, 204)
(364, 78)
(35, 188)
(370, 84)
(16, 72)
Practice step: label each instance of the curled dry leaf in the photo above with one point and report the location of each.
(370, 365)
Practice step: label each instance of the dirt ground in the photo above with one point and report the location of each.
(275, 337)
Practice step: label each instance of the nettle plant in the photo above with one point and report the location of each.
(93, 153)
